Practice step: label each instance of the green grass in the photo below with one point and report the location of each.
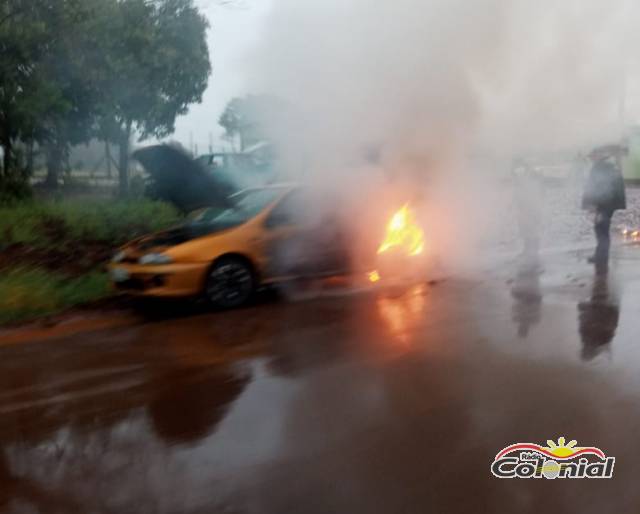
(30, 287)
(29, 293)
(111, 222)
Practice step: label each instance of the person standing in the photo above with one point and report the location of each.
(528, 201)
(604, 194)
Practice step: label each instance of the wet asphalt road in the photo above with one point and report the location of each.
(382, 402)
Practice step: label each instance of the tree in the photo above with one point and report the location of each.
(156, 64)
(232, 120)
(45, 90)
(74, 69)
(69, 66)
(250, 119)
(22, 95)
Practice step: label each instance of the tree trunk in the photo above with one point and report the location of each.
(123, 170)
(6, 143)
(30, 157)
(54, 152)
(7, 150)
(107, 154)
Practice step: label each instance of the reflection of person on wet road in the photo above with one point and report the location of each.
(527, 299)
(527, 196)
(604, 194)
(598, 319)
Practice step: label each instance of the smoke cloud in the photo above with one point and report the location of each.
(431, 74)
(443, 90)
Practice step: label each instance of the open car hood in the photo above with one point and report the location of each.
(179, 179)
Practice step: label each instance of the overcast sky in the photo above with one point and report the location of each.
(234, 32)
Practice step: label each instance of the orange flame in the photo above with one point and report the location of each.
(403, 233)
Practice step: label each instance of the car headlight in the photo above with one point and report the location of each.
(155, 258)
(118, 257)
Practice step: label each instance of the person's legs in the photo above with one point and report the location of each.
(603, 235)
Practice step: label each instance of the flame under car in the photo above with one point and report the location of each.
(268, 235)
(401, 252)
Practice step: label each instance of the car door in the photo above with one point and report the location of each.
(303, 239)
(282, 236)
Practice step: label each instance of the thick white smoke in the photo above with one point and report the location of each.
(428, 73)
(443, 89)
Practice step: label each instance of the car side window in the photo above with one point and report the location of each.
(287, 212)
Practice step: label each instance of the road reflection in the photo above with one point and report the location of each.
(89, 416)
(185, 411)
(598, 318)
(225, 412)
(527, 298)
(402, 312)
(29, 492)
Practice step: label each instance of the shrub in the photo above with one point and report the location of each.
(52, 224)
(14, 189)
(26, 293)
(63, 248)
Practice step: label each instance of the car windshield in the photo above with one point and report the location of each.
(247, 205)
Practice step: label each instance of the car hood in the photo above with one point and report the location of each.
(179, 179)
(178, 235)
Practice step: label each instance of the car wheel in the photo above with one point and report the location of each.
(229, 284)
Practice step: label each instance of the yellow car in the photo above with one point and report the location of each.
(226, 254)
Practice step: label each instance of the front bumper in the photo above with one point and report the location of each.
(166, 280)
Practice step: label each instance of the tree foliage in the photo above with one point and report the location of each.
(45, 91)
(251, 119)
(158, 65)
(74, 69)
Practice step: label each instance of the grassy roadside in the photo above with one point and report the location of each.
(55, 224)
(28, 293)
(52, 254)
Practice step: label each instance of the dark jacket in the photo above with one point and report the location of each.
(604, 190)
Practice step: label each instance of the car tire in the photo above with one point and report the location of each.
(230, 283)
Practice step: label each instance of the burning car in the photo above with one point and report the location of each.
(267, 235)
(232, 244)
